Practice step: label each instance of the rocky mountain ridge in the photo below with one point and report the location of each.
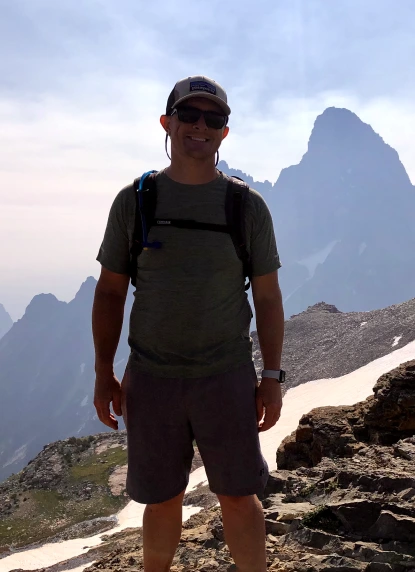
(47, 367)
(343, 219)
(342, 499)
(323, 342)
(5, 321)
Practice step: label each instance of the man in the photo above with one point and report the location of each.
(190, 374)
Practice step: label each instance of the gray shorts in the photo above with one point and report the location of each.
(164, 415)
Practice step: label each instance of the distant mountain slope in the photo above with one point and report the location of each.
(5, 321)
(344, 219)
(47, 376)
(262, 187)
(323, 342)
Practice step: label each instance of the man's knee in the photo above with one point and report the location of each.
(237, 502)
(169, 504)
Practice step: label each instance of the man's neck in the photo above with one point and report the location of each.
(192, 172)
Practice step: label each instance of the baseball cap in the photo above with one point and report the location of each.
(197, 86)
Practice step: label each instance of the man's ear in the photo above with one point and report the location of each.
(165, 122)
(225, 132)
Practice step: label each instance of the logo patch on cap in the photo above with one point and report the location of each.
(202, 86)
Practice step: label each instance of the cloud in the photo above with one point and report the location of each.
(298, 47)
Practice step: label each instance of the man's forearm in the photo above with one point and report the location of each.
(270, 330)
(107, 319)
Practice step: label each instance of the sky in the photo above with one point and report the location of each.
(83, 84)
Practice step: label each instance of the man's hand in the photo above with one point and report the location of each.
(107, 390)
(268, 397)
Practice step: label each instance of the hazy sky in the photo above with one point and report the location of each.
(82, 86)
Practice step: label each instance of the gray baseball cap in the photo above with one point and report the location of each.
(197, 86)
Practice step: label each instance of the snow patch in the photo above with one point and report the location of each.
(82, 368)
(293, 292)
(81, 427)
(345, 390)
(362, 248)
(84, 401)
(311, 262)
(20, 453)
(396, 340)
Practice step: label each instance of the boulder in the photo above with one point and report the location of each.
(387, 417)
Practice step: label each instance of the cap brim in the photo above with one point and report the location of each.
(214, 98)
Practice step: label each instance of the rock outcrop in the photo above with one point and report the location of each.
(384, 418)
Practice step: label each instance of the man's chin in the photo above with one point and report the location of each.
(201, 155)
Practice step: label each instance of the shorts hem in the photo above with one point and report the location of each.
(246, 492)
(155, 499)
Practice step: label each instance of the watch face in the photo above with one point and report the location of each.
(282, 376)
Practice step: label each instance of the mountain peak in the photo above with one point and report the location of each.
(339, 128)
(87, 286)
(86, 291)
(42, 306)
(319, 307)
(323, 307)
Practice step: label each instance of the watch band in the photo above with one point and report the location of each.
(278, 374)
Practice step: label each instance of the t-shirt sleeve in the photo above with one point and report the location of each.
(261, 237)
(114, 253)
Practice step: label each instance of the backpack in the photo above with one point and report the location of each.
(146, 201)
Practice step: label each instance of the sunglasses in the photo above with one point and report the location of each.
(188, 114)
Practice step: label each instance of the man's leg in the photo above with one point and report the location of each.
(162, 527)
(244, 527)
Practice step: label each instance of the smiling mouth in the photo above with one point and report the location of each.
(198, 139)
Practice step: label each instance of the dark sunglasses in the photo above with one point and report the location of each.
(188, 114)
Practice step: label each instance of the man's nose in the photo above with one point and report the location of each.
(200, 123)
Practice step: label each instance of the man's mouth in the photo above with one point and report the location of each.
(197, 139)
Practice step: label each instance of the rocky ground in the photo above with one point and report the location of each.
(342, 500)
(323, 342)
(72, 489)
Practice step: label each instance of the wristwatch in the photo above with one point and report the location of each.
(278, 374)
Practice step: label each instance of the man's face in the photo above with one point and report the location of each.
(195, 140)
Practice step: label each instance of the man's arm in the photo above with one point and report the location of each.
(269, 318)
(270, 329)
(107, 319)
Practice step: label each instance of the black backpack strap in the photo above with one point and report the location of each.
(236, 196)
(192, 224)
(145, 192)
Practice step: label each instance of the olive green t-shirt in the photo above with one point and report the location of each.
(191, 314)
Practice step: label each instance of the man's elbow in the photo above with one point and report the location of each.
(112, 284)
